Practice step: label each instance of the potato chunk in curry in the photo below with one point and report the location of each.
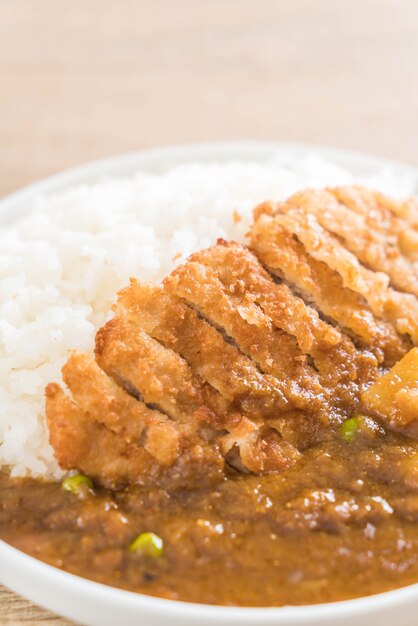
(394, 396)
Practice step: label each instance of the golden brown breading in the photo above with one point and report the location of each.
(164, 379)
(276, 354)
(385, 245)
(164, 454)
(275, 351)
(404, 209)
(146, 369)
(251, 288)
(166, 318)
(116, 438)
(179, 328)
(396, 308)
(108, 404)
(285, 256)
(243, 357)
(386, 214)
(82, 443)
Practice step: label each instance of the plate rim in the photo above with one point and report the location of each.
(352, 606)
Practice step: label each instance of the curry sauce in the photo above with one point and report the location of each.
(340, 524)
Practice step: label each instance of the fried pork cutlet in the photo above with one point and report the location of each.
(397, 220)
(106, 430)
(380, 241)
(178, 327)
(85, 444)
(283, 335)
(238, 382)
(246, 357)
(164, 379)
(147, 370)
(108, 404)
(400, 309)
(284, 255)
(116, 439)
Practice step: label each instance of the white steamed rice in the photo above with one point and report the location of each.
(62, 264)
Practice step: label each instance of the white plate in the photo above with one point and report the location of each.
(94, 604)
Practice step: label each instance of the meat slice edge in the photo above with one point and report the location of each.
(282, 254)
(376, 244)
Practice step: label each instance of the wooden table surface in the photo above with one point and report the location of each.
(82, 79)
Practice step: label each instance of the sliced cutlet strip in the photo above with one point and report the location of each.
(148, 370)
(404, 209)
(274, 352)
(199, 287)
(164, 379)
(377, 248)
(250, 288)
(83, 444)
(400, 236)
(376, 211)
(283, 255)
(397, 308)
(108, 404)
(178, 327)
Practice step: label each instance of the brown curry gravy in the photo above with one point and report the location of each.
(340, 524)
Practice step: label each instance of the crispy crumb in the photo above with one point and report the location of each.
(236, 217)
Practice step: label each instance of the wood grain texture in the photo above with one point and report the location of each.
(82, 79)
(16, 611)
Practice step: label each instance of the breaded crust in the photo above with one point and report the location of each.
(179, 328)
(215, 382)
(394, 307)
(284, 255)
(245, 357)
(292, 329)
(163, 456)
(379, 240)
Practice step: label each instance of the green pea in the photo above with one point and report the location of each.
(77, 484)
(148, 544)
(349, 428)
